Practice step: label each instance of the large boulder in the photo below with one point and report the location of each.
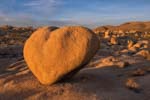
(53, 54)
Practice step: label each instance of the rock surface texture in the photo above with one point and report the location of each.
(54, 53)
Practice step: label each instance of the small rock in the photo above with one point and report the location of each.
(109, 59)
(130, 43)
(145, 46)
(113, 40)
(124, 51)
(132, 84)
(144, 53)
(12, 41)
(138, 45)
(122, 64)
(133, 50)
(107, 34)
(138, 72)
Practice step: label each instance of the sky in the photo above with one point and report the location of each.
(90, 13)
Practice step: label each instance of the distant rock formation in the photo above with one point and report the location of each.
(126, 27)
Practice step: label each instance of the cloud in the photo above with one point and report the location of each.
(40, 3)
(43, 8)
(31, 12)
(36, 8)
(31, 4)
(27, 20)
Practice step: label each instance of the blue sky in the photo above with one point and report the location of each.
(73, 12)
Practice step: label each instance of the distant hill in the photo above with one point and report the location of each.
(137, 26)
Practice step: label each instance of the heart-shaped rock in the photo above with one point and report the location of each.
(53, 54)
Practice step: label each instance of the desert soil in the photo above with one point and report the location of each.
(106, 77)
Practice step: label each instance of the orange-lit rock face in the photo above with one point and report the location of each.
(52, 53)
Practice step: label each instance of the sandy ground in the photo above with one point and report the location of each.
(93, 83)
(104, 78)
